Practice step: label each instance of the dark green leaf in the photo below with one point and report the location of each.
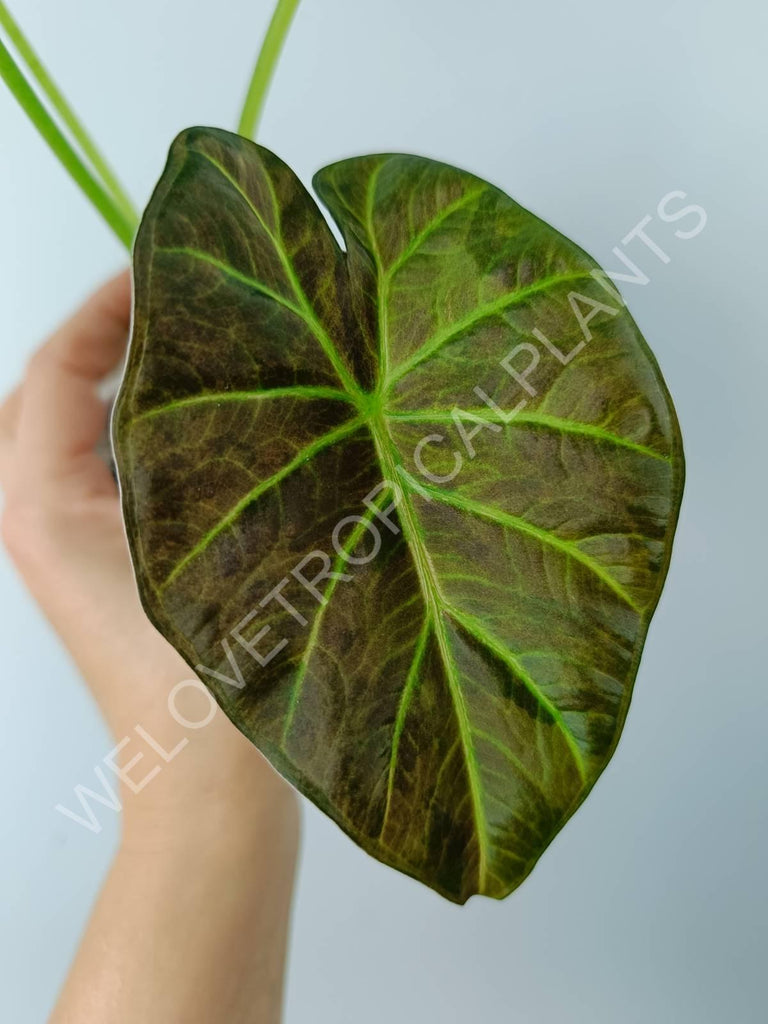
(450, 704)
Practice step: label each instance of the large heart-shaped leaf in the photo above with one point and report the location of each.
(408, 507)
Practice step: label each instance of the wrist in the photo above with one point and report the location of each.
(218, 791)
(212, 829)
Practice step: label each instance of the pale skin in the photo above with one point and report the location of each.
(192, 921)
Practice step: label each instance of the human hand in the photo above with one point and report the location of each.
(63, 528)
(191, 924)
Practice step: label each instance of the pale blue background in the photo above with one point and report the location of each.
(650, 908)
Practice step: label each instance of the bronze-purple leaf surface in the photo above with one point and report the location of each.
(406, 506)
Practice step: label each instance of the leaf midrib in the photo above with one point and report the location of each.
(435, 603)
(425, 571)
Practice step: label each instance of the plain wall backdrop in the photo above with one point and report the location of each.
(651, 906)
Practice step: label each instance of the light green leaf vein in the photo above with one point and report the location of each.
(337, 568)
(230, 271)
(282, 254)
(479, 631)
(331, 438)
(236, 397)
(435, 603)
(382, 281)
(534, 419)
(432, 345)
(516, 763)
(511, 522)
(437, 221)
(411, 683)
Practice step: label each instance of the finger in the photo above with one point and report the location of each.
(62, 417)
(9, 413)
(9, 419)
(92, 341)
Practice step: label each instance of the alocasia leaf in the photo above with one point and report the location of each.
(445, 678)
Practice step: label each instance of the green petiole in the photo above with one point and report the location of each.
(104, 202)
(265, 66)
(66, 113)
(88, 168)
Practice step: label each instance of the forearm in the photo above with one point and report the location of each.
(191, 927)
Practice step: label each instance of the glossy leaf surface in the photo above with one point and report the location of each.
(445, 678)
